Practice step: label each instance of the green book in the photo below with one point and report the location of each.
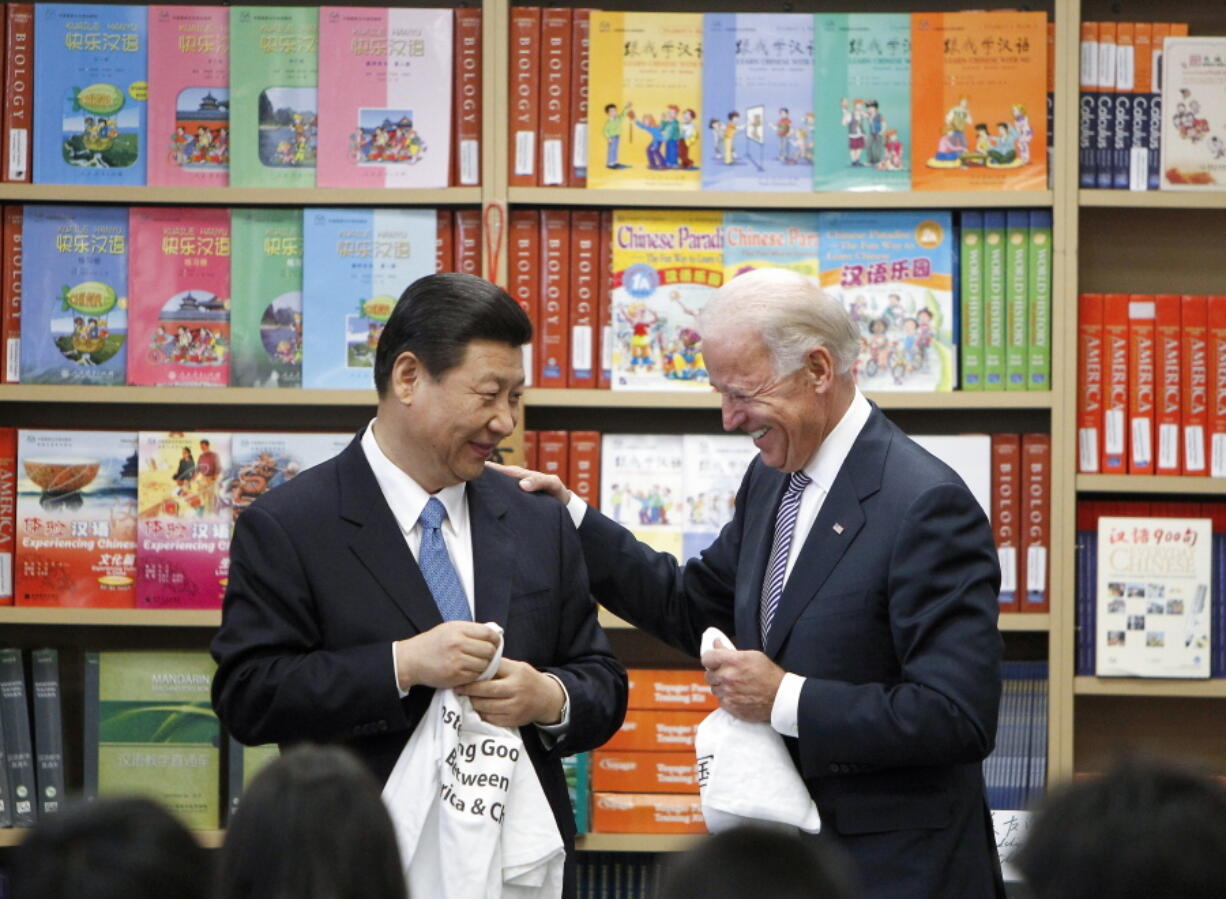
(150, 730)
(1038, 344)
(994, 300)
(244, 762)
(1017, 297)
(579, 785)
(274, 65)
(970, 288)
(266, 297)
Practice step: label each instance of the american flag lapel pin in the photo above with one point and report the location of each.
(838, 528)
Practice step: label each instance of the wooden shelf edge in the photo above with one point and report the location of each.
(209, 839)
(722, 199)
(1153, 686)
(636, 842)
(706, 399)
(228, 396)
(55, 615)
(1152, 199)
(1123, 483)
(241, 196)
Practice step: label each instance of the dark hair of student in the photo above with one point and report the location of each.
(439, 315)
(311, 825)
(110, 848)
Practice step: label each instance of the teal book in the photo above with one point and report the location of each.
(755, 240)
(862, 101)
(244, 763)
(150, 730)
(994, 328)
(970, 286)
(577, 769)
(266, 297)
(1017, 297)
(1038, 263)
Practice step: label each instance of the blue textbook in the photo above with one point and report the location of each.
(74, 319)
(357, 263)
(90, 83)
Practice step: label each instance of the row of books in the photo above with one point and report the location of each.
(1150, 589)
(1151, 384)
(1021, 518)
(253, 96)
(298, 297)
(779, 101)
(618, 875)
(1150, 107)
(1016, 772)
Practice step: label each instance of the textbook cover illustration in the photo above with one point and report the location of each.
(74, 316)
(642, 487)
(274, 106)
(862, 101)
(76, 518)
(711, 476)
(189, 95)
(645, 101)
(180, 296)
(893, 272)
(90, 89)
(357, 263)
(150, 730)
(1153, 591)
(666, 263)
(183, 553)
(1194, 114)
(266, 297)
(978, 120)
(757, 101)
(260, 462)
(384, 97)
(755, 240)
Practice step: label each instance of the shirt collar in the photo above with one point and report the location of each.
(405, 496)
(830, 456)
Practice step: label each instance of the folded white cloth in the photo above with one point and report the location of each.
(744, 770)
(471, 817)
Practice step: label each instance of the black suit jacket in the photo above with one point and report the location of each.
(890, 615)
(322, 582)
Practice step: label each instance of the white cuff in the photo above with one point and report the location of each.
(396, 674)
(785, 713)
(557, 731)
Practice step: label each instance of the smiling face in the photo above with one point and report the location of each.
(453, 423)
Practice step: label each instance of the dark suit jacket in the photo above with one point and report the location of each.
(890, 614)
(322, 582)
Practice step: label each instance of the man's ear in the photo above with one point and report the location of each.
(406, 376)
(819, 366)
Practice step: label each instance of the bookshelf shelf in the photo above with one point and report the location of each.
(1122, 483)
(636, 842)
(541, 397)
(717, 199)
(239, 196)
(230, 396)
(1138, 686)
(110, 617)
(1153, 199)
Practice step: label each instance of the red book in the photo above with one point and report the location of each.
(18, 136)
(525, 77)
(1006, 510)
(468, 241)
(524, 274)
(553, 453)
(1089, 381)
(1036, 521)
(1169, 394)
(1115, 383)
(553, 344)
(604, 310)
(576, 169)
(10, 295)
(1141, 383)
(444, 247)
(8, 511)
(1194, 319)
(554, 154)
(466, 98)
(584, 295)
(530, 457)
(584, 472)
(1217, 386)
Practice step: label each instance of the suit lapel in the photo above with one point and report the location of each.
(759, 533)
(377, 541)
(493, 559)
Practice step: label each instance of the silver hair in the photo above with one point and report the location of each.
(789, 311)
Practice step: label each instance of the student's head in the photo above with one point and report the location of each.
(110, 848)
(449, 374)
(1002, 128)
(981, 128)
(759, 862)
(311, 825)
(610, 108)
(780, 351)
(1144, 829)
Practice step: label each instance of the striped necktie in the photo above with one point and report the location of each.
(785, 524)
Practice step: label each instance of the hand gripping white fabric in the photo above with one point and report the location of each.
(471, 817)
(744, 771)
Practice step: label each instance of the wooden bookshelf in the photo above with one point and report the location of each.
(239, 196)
(1153, 199)
(1150, 484)
(715, 199)
(1150, 686)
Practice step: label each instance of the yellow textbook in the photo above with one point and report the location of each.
(645, 100)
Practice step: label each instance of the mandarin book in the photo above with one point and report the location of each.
(266, 297)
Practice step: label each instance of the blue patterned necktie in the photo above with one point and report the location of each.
(785, 524)
(436, 565)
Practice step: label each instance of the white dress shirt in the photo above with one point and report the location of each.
(822, 468)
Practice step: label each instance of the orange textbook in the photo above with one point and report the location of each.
(980, 124)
